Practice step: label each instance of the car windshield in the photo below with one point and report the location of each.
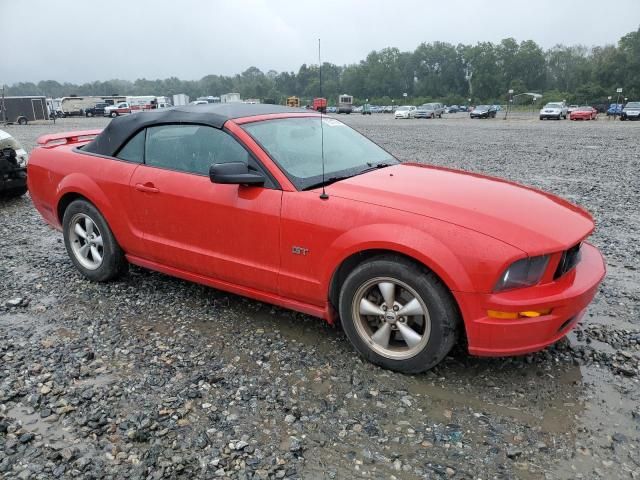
(584, 109)
(403, 108)
(482, 107)
(426, 107)
(633, 105)
(295, 144)
(553, 105)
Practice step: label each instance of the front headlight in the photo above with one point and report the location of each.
(22, 157)
(523, 273)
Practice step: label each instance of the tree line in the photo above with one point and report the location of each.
(436, 71)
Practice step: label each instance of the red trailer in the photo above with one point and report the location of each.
(320, 104)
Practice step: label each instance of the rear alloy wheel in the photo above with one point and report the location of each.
(398, 315)
(90, 243)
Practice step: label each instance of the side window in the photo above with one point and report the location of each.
(191, 148)
(133, 151)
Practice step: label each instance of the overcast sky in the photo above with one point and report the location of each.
(85, 40)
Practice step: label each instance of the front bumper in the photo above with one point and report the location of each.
(16, 178)
(567, 297)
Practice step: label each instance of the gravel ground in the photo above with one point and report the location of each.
(152, 377)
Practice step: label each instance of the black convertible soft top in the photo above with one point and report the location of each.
(121, 129)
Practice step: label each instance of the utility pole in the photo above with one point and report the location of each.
(4, 112)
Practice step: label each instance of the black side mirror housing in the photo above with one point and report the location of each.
(235, 173)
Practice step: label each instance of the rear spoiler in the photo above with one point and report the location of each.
(56, 139)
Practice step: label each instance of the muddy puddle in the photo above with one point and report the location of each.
(52, 432)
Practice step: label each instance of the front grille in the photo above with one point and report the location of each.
(569, 260)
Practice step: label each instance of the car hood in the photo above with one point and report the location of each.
(531, 220)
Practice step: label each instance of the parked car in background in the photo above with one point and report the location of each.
(600, 107)
(438, 108)
(453, 109)
(366, 109)
(483, 111)
(631, 111)
(97, 109)
(463, 108)
(387, 109)
(122, 108)
(13, 166)
(615, 109)
(332, 110)
(571, 108)
(585, 112)
(405, 111)
(426, 111)
(554, 110)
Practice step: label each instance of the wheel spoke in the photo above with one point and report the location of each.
(381, 337)
(88, 224)
(388, 291)
(411, 308)
(369, 308)
(98, 240)
(84, 250)
(96, 255)
(80, 231)
(410, 336)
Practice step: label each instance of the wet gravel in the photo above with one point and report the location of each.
(152, 377)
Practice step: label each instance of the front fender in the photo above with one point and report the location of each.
(465, 260)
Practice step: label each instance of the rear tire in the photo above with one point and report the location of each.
(90, 243)
(89, 114)
(409, 343)
(22, 121)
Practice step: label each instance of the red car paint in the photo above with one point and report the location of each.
(467, 228)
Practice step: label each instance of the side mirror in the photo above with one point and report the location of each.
(235, 173)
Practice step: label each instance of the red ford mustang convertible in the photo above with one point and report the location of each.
(409, 257)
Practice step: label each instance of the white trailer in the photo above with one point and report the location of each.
(230, 98)
(180, 99)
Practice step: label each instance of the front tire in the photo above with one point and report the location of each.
(114, 114)
(90, 243)
(398, 315)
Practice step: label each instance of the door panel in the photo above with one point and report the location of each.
(228, 232)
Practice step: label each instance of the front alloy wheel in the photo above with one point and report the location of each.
(391, 317)
(398, 314)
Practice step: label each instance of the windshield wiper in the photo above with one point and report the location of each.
(378, 165)
(327, 181)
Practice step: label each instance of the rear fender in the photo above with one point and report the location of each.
(81, 184)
